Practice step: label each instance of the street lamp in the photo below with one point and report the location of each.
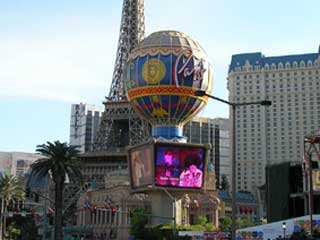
(233, 105)
(173, 199)
(284, 226)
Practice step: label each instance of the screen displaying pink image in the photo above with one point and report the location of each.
(179, 166)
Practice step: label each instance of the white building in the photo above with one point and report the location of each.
(267, 135)
(85, 121)
(16, 163)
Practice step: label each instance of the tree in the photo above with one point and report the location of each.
(263, 221)
(244, 222)
(202, 220)
(225, 183)
(26, 225)
(299, 235)
(225, 223)
(11, 190)
(138, 219)
(60, 161)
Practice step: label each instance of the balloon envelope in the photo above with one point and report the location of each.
(162, 74)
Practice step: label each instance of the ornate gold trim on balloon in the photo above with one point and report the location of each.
(164, 51)
(164, 90)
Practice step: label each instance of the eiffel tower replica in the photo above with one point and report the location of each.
(120, 126)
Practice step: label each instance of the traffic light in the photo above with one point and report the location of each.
(50, 214)
(130, 213)
(113, 211)
(34, 214)
(51, 222)
(36, 197)
(94, 209)
(27, 192)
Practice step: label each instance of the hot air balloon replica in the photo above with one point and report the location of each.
(161, 77)
(162, 74)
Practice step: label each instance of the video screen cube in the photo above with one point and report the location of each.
(176, 165)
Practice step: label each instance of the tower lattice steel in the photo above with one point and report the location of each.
(120, 125)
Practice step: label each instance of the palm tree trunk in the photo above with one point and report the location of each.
(58, 231)
(5, 218)
(1, 218)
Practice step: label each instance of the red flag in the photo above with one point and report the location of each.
(50, 211)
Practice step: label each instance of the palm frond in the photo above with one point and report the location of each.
(61, 159)
(11, 189)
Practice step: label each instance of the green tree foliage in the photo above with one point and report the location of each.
(225, 186)
(316, 234)
(26, 225)
(263, 221)
(204, 225)
(202, 220)
(210, 227)
(14, 232)
(11, 190)
(299, 236)
(225, 223)
(138, 219)
(244, 222)
(60, 160)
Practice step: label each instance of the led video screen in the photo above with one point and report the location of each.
(141, 160)
(179, 166)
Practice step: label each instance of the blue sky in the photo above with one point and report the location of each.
(55, 53)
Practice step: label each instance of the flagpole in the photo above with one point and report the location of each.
(310, 193)
(45, 214)
(308, 171)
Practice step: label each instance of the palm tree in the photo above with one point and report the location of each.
(11, 190)
(60, 160)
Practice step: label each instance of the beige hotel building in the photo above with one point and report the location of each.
(268, 135)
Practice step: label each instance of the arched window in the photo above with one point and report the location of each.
(302, 64)
(295, 64)
(316, 64)
(267, 66)
(287, 65)
(273, 66)
(309, 63)
(280, 65)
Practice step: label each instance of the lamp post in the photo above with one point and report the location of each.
(173, 199)
(284, 226)
(233, 106)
